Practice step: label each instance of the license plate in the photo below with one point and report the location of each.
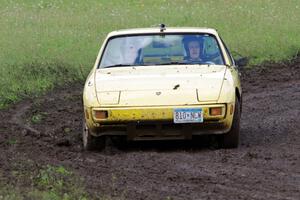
(188, 115)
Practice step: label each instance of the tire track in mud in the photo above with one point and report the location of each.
(265, 166)
(17, 119)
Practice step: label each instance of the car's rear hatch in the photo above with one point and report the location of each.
(159, 85)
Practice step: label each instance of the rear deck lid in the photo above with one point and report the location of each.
(159, 85)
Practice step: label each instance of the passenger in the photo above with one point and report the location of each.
(130, 53)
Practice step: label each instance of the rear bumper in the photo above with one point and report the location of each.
(157, 122)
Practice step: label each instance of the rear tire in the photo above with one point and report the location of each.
(90, 142)
(231, 139)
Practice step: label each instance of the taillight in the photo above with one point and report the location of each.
(215, 111)
(100, 114)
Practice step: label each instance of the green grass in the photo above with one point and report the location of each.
(57, 183)
(48, 43)
(50, 182)
(28, 180)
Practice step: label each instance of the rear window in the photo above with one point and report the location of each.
(143, 50)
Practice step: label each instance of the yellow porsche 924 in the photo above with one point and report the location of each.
(162, 83)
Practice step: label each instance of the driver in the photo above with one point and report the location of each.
(192, 46)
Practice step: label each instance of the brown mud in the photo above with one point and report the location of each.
(47, 131)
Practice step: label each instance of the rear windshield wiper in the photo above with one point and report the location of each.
(119, 65)
(173, 63)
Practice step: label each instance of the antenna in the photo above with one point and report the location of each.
(162, 27)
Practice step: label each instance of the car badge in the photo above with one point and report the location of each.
(158, 93)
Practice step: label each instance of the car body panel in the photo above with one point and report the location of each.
(176, 85)
(123, 118)
(152, 113)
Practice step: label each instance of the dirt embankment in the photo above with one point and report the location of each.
(265, 166)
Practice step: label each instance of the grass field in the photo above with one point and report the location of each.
(48, 43)
(49, 183)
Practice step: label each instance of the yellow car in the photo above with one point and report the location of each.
(162, 83)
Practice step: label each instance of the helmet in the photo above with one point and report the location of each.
(191, 38)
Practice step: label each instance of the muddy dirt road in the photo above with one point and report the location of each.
(265, 166)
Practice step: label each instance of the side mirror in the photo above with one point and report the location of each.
(242, 62)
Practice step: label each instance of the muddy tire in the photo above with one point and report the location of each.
(231, 139)
(90, 142)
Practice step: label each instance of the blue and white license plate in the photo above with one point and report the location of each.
(188, 115)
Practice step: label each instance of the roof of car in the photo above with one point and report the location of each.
(166, 30)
